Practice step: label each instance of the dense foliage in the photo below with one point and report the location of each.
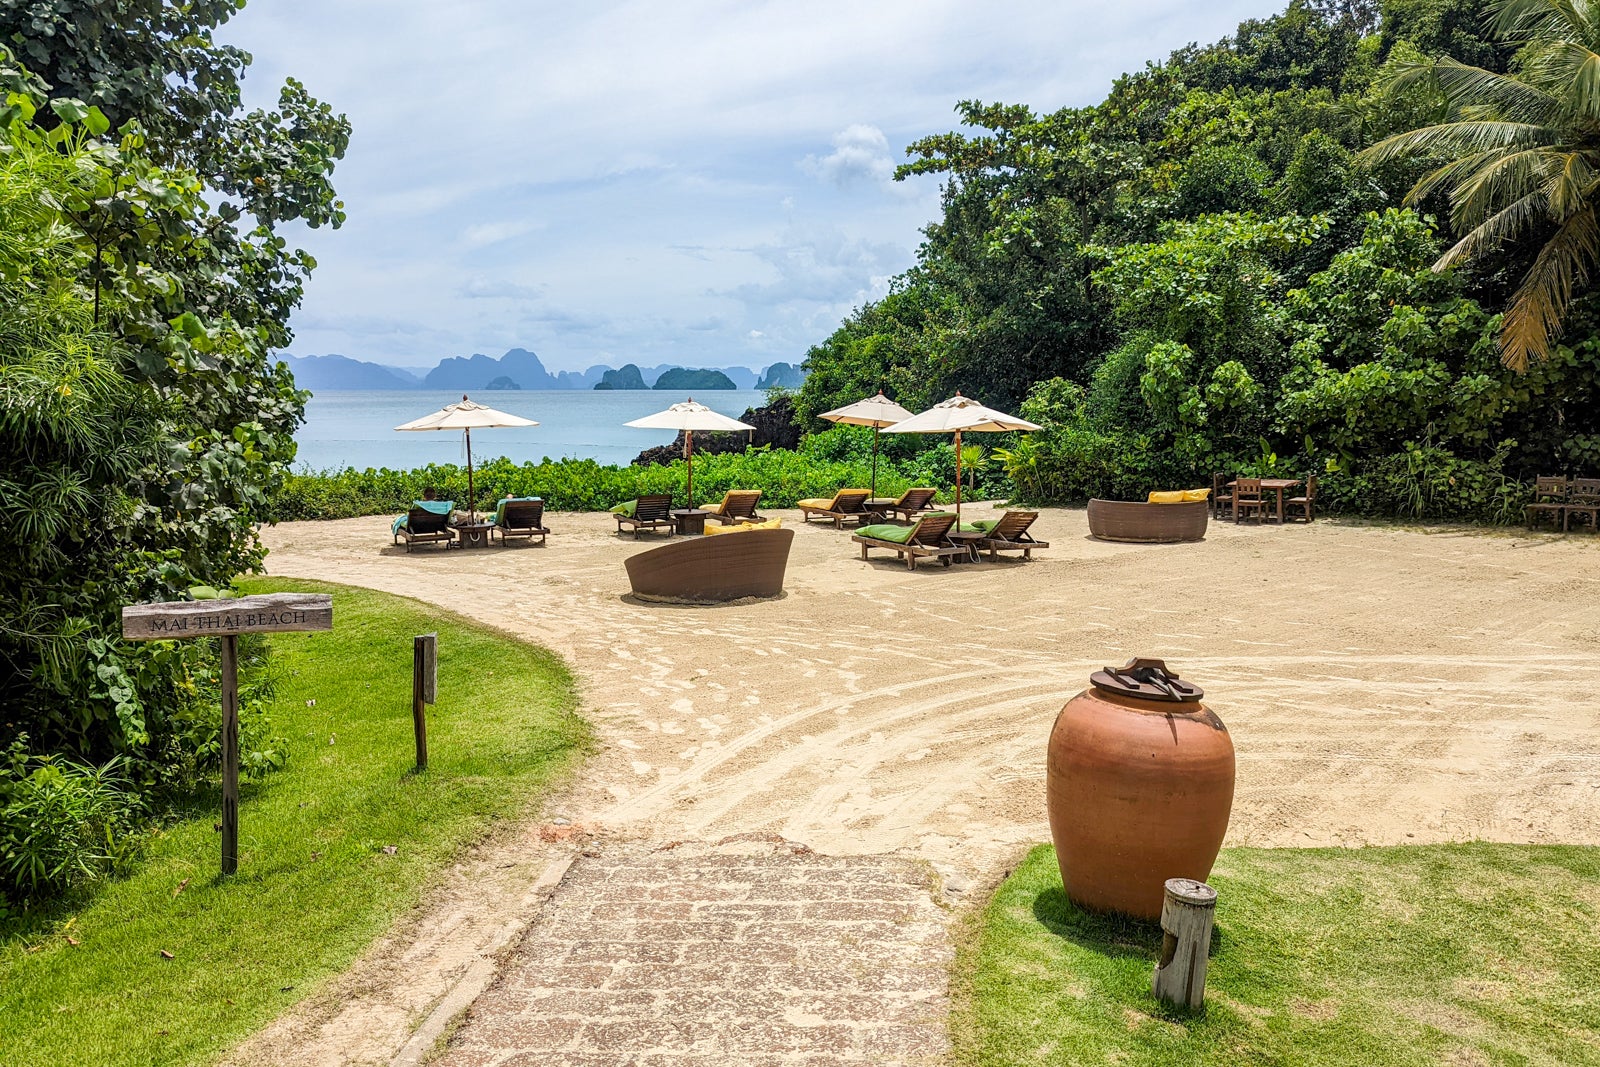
(1207, 272)
(143, 423)
(824, 464)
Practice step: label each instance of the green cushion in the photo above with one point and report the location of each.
(887, 532)
(980, 526)
(627, 507)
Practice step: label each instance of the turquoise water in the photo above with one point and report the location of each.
(356, 429)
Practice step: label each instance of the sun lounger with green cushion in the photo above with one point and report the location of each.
(651, 512)
(845, 504)
(928, 536)
(427, 521)
(1008, 533)
(519, 516)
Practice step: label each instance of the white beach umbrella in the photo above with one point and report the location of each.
(688, 417)
(957, 415)
(466, 417)
(875, 411)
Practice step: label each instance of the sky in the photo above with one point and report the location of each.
(696, 182)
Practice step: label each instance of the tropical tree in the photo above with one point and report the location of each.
(1521, 161)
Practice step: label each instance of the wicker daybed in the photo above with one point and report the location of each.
(1131, 520)
(709, 570)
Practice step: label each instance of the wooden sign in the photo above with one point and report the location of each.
(271, 613)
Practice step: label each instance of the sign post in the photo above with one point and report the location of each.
(424, 689)
(226, 619)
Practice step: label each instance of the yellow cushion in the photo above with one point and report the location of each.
(1174, 497)
(715, 509)
(823, 502)
(1196, 494)
(770, 524)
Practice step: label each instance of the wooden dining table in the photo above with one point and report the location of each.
(1277, 485)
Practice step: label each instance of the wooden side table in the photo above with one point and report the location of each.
(690, 520)
(473, 534)
(968, 539)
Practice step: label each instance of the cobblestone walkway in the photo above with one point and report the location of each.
(693, 956)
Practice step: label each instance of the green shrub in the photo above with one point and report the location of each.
(62, 823)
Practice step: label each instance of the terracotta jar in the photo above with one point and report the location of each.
(1139, 787)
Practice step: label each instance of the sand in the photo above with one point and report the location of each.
(1383, 685)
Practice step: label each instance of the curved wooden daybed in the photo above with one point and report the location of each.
(1131, 520)
(710, 570)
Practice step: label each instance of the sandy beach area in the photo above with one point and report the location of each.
(1382, 685)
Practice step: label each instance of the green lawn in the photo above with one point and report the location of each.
(1458, 955)
(315, 884)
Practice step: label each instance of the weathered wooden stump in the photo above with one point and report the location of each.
(1187, 914)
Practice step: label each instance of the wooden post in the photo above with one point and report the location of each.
(230, 754)
(424, 689)
(1187, 914)
(225, 619)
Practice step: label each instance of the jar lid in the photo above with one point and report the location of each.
(1146, 679)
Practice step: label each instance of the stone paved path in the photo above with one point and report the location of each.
(694, 956)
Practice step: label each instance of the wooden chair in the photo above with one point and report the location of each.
(738, 505)
(912, 503)
(1549, 498)
(1304, 503)
(1221, 496)
(425, 525)
(653, 512)
(928, 536)
(520, 518)
(845, 504)
(1583, 499)
(1247, 496)
(1010, 534)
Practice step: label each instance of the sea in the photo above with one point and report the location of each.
(349, 428)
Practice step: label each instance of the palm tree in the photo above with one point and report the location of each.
(1524, 160)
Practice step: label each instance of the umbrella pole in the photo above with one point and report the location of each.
(472, 515)
(688, 454)
(875, 461)
(958, 479)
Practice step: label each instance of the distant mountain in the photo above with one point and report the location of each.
(626, 376)
(684, 379)
(478, 370)
(522, 369)
(342, 372)
(781, 376)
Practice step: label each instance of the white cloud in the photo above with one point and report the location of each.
(859, 152)
(618, 179)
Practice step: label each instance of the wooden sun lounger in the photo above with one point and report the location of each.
(928, 538)
(912, 503)
(1010, 534)
(521, 518)
(846, 504)
(425, 527)
(738, 505)
(652, 512)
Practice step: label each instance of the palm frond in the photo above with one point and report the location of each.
(1492, 169)
(1455, 138)
(1507, 97)
(1527, 20)
(1501, 182)
(1540, 302)
(1501, 227)
(1569, 185)
(1566, 72)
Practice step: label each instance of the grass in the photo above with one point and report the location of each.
(315, 883)
(1462, 955)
